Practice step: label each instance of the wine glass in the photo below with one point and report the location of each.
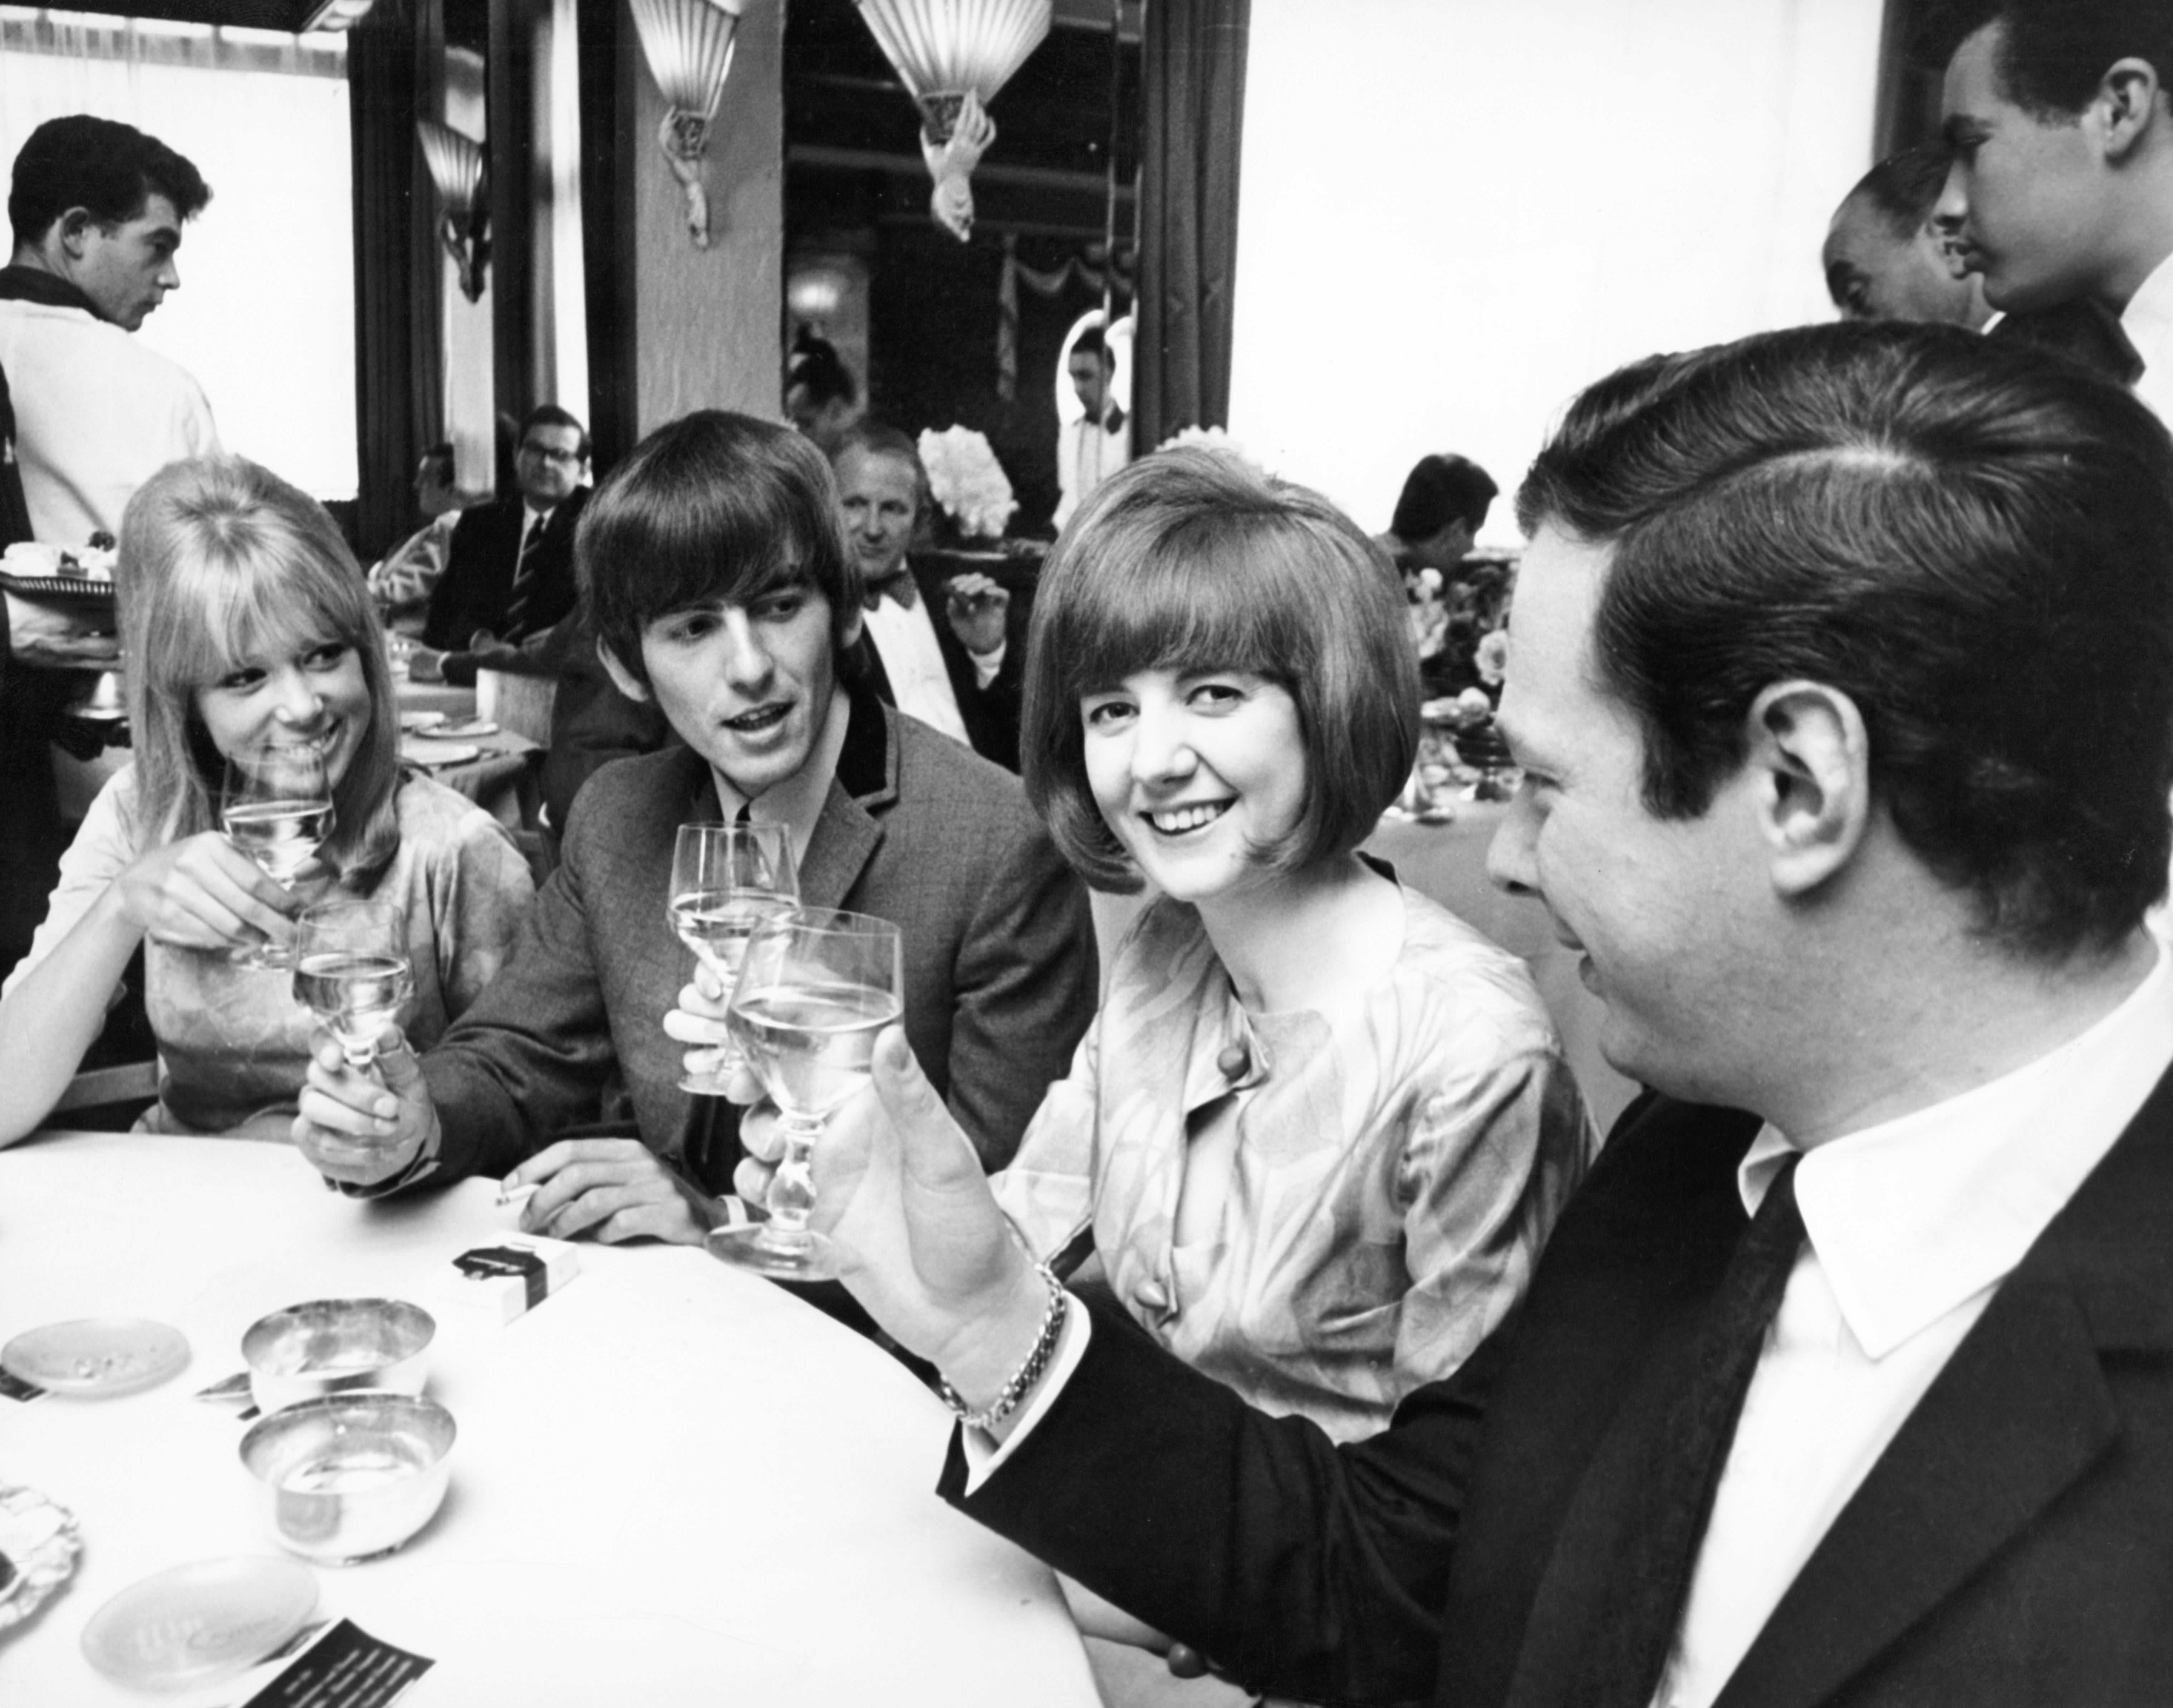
(351, 971)
(725, 880)
(276, 808)
(815, 988)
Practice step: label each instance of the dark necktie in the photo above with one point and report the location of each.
(1651, 1575)
(524, 582)
(899, 587)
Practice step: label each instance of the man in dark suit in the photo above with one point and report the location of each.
(731, 602)
(1842, 682)
(948, 651)
(510, 571)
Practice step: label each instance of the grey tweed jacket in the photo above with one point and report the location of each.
(998, 949)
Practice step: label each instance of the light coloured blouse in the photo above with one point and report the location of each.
(233, 1042)
(1395, 1175)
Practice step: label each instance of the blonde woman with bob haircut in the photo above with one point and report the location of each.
(1320, 1127)
(245, 622)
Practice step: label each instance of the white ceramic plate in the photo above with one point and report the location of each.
(200, 1621)
(434, 753)
(101, 1355)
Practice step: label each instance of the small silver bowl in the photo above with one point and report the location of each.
(332, 1346)
(351, 1476)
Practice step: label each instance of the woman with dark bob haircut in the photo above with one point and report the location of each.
(1319, 1129)
(247, 627)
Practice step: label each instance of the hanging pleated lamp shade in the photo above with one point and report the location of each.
(689, 46)
(945, 48)
(456, 164)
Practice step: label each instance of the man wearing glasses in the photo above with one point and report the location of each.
(510, 571)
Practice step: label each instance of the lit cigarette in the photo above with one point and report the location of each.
(516, 1195)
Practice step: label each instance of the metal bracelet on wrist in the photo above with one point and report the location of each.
(1027, 1374)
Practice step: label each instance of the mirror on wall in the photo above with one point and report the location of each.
(934, 332)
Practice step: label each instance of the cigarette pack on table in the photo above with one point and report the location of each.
(508, 1277)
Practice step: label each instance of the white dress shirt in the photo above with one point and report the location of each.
(2147, 321)
(1912, 1224)
(796, 801)
(906, 639)
(1088, 453)
(97, 413)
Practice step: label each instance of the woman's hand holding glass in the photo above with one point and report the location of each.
(276, 809)
(901, 1194)
(204, 892)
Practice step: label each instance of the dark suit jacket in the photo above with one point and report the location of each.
(2012, 1548)
(999, 970)
(477, 583)
(991, 714)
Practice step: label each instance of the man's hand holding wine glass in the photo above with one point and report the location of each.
(900, 1191)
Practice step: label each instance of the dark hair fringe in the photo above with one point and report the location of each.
(1191, 560)
(1972, 541)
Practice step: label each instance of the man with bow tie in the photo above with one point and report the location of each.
(509, 574)
(950, 653)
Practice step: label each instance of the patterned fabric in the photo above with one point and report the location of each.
(1394, 1174)
(233, 1042)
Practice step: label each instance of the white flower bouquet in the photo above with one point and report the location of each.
(967, 481)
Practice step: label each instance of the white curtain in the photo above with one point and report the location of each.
(265, 316)
(1454, 213)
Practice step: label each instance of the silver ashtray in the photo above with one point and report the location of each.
(351, 1476)
(332, 1346)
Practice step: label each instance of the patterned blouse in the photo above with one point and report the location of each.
(1395, 1175)
(233, 1042)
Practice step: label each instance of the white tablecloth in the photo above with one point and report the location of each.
(673, 1484)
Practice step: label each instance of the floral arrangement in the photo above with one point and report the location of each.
(967, 482)
(1459, 624)
(1212, 439)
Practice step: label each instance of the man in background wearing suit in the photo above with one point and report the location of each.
(510, 573)
(717, 576)
(1842, 678)
(951, 653)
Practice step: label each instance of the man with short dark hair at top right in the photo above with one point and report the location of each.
(1840, 679)
(2059, 118)
(97, 209)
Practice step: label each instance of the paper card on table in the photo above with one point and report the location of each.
(13, 1387)
(346, 1667)
(509, 1277)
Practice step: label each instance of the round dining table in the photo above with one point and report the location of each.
(673, 1483)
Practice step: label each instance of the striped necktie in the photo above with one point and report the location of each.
(524, 582)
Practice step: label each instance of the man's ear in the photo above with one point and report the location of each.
(2126, 103)
(73, 229)
(623, 679)
(849, 632)
(1811, 750)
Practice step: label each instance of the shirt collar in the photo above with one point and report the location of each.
(2148, 319)
(797, 802)
(1913, 1216)
(21, 283)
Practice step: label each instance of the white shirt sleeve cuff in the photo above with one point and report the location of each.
(984, 1454)
(987, 665)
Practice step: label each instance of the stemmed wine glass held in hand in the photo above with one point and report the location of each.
(725, 880)
(815, 989)
(276, 808)
(351, 970)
